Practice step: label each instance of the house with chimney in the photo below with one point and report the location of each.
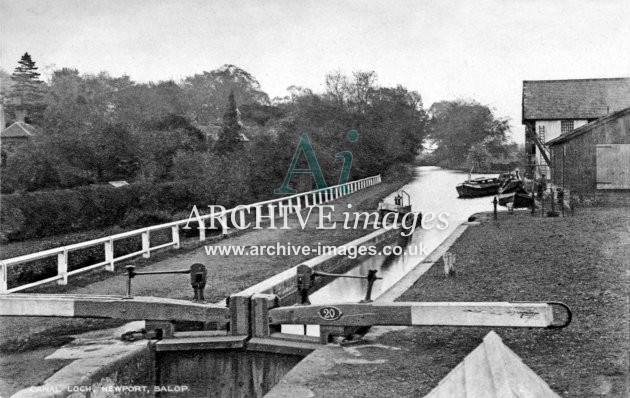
(552, 108)
(15, 136)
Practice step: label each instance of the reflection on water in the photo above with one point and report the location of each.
(432, 191)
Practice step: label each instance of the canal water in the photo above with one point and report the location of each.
(432, 190)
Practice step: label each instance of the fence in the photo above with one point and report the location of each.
(286, 204)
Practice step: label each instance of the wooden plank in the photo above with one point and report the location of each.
(80, 306)
(494, 351)
(417, 314)
(481, 314)
(35, 305)
(278, 346)
(477, 377)
(201, 343)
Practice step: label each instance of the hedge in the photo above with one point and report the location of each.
(45, 213)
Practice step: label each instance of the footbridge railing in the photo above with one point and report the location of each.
(286, 204)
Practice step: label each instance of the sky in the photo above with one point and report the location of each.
(445, 50)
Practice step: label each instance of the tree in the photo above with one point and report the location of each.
(455, 126)
(229, 138)
(206, 92)
(27, 91)
(337, 87)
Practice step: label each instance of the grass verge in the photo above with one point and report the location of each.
(579, 260)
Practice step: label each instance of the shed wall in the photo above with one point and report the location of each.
(577, 169)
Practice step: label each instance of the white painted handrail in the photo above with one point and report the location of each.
(301, 200)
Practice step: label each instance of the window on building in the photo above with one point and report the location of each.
(566, 126)
(541, 133)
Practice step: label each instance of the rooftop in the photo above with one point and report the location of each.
(574, 99)
(18, 130)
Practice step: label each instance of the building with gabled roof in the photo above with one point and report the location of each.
(593, 161)
(555, 107)
(16, 135)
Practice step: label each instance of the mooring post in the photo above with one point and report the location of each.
(304, 280)
(371, 278)
(494, 202)
(131, 272)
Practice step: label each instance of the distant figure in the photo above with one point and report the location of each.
(542, 185)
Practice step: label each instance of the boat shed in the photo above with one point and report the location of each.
(594, 160)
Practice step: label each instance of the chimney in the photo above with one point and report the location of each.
(20, 115)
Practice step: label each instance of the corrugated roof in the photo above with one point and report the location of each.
(18, 130)
(492, 370)
(574, 99)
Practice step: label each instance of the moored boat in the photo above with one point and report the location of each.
(513, 191)
(479, 187)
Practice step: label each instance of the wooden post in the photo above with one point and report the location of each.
(259, 313)
(449, 263)
(109, 255)
(299, 203)
(306, 201)
(146, 244)
(3, 278)
(62, 267)
(239, 314)
(175, 234)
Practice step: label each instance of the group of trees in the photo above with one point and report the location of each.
(467, 134)
(98, 128)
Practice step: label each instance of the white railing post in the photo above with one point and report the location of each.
(306, 201)
(109, 255)
(3, 278)
(146, 244)
(299, 203)
(62, 267)
(320, 197)
(202, 230)
(290, 208)
(175, 234)
(223, 224)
